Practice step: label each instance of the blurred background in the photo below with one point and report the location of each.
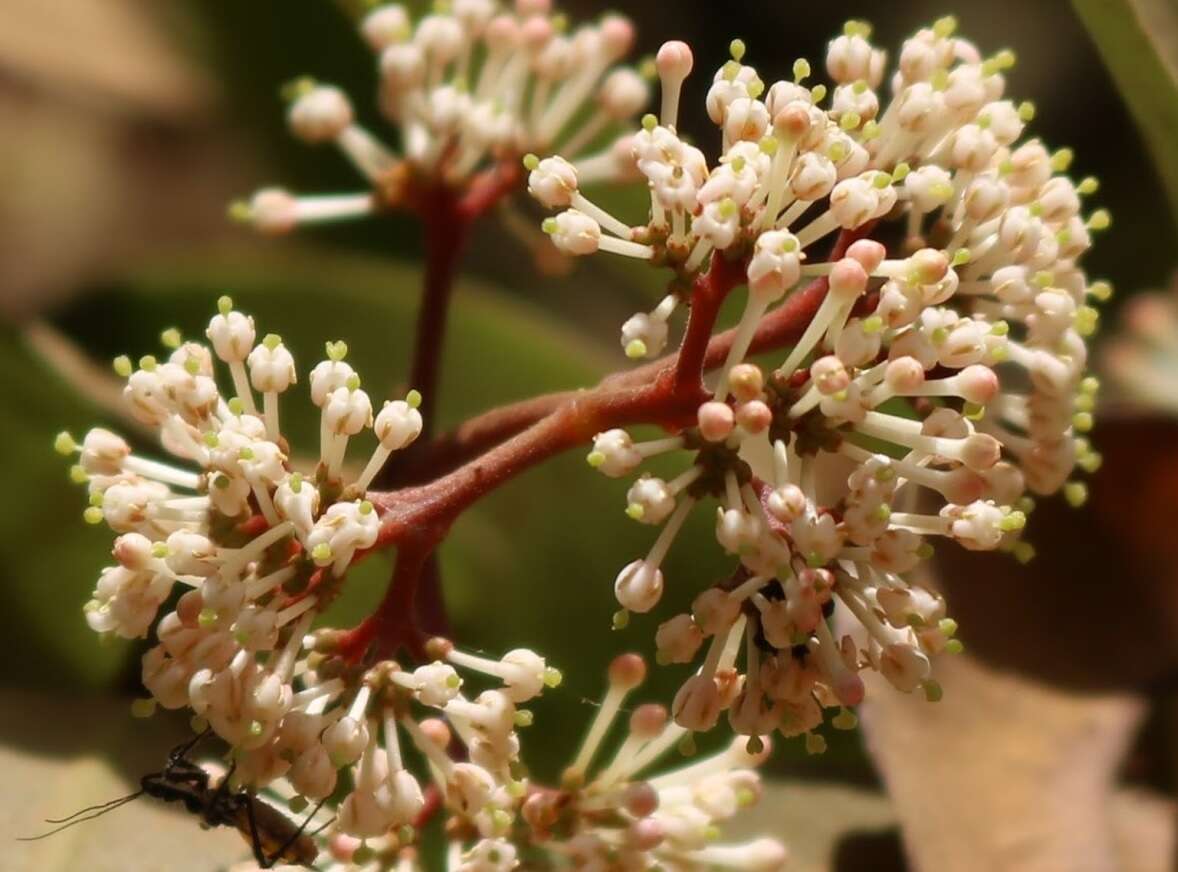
(128, 128)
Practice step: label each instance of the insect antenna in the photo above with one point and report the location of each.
(86, 814)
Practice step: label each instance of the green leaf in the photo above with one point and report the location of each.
(1138, 40)
(49, 558)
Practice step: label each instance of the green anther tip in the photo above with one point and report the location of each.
(850, 121)
(815, 744)
(553, 677)
(944, 27)
(148, 362)
(933, 691)
(365, 508)
(92, 515)
(595, 459)
(337, 351)
(353, 382)
(96, 499)
(64, 443)
(737, 48)
(160, 550)
(635, 349)
(961, 257)
(1076, 493)
(296, 482)
(620, 619)
(549, 225)
(225, 304)
(321, 553)
(296, 88)
(272, 341)
(1026, 111)
(948, 627)
(1061, 160)
(171, 338)
(78, 475)
(362, 855)
(524, 718)
(413, 399)
(635, 512)
(1083, 421)
(1024, 552)
(531, 162)
(649, 122)
(687, 746)
(1101, 219)
(207, 617)
(817, 93)
(900, 172)
(845, 720)
(801, 70)
(122, 366)
(143, 708)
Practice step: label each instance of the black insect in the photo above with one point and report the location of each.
(272, 836)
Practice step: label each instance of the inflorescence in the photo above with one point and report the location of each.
(939, 380)
(945, 362)
(469, 86)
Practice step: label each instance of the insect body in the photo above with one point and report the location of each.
(272, 836)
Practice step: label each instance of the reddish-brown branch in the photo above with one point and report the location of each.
(446, 232)
(392, 626)
(489, 187)
(707, 296)
(475, 436)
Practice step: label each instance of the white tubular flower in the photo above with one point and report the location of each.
(553, 182)
(574, 232)
(639, 586)
(650, 500)
(271, 366)
(320, 114)
(775, 266)
(614, 454)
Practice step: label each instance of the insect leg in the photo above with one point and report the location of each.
(255, 838)
(285, 846)
(181, 751)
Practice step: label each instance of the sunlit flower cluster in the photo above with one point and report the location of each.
(602, 816)
(945, 361)
(468, 85)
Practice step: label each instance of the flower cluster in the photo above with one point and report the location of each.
(608, 820)
(469, 86)
(946, 358)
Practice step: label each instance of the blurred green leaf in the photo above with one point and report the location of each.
(49, 557)
(1138, 40)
